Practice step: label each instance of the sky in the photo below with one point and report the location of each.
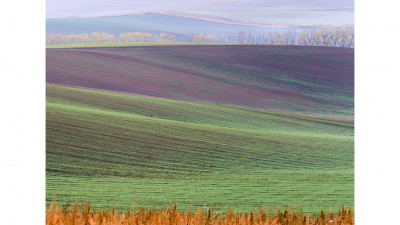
(89, 8)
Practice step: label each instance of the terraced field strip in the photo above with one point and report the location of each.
(193, 112)
(115, 149)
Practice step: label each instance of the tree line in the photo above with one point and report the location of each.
(331, 37)
(95, 37)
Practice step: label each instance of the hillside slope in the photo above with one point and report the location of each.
(115, 149)
(315, 82)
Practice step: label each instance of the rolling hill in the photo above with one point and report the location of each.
(235, 125)
(294, 18)
(316, 82)
(116, 149)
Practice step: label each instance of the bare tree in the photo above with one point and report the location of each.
(164, 37)
(221, 39)
(292, 37)
(201, 38)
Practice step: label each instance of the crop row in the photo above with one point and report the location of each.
(111, 147)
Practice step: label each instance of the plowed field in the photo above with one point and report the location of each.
(316, 82)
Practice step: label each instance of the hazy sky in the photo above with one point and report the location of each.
(83, 8)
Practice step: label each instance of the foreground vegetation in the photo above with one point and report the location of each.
(85, 214)
(112, 148)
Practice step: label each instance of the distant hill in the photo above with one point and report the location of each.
(274, 17)
(216, 23)
(150, 23)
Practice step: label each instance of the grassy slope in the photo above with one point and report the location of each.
(115, 149)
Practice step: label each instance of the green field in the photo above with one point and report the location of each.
(115, 149)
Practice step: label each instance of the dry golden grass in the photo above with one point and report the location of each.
(84, 214)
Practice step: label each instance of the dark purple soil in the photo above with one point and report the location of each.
(310, 81)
